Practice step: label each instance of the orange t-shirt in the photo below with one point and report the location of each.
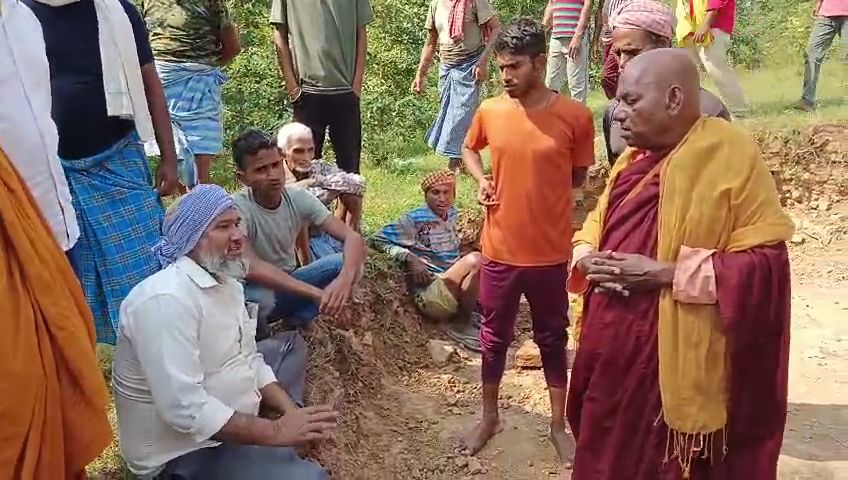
(533, 153)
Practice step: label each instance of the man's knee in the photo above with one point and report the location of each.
(552, 337)
(322, 271)
(474, 260)
(494, 341)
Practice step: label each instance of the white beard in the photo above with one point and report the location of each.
(221, 266)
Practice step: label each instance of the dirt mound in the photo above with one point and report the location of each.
(811, 166)
(356, 362)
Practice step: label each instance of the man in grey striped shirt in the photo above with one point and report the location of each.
(568, 51)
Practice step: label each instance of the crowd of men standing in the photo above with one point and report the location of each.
(202, 387)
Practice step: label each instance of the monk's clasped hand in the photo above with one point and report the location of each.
(626, 272)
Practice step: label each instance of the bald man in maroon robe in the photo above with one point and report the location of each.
(615, 406)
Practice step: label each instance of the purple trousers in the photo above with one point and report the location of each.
(501, 287)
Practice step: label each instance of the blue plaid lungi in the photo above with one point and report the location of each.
(460, 96)
(193, 92)
(120, 217)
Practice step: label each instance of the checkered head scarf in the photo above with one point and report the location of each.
(442, 177)
(188, 218)
(648, 15)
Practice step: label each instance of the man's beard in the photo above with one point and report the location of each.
(223, 266)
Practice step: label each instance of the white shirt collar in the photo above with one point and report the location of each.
(196, 273)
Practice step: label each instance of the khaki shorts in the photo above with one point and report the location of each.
(436, 301)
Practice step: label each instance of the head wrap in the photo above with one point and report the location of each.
(188, 219)
(442, 177)
(648, 15)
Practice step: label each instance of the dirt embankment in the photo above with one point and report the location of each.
(369, 361)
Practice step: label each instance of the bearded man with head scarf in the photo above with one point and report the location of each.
(640, 26)
(188, 374)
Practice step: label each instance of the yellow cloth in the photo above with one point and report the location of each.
(53, 398)
(690, 14)
(437, 302)
(576, 318)
(716, 192)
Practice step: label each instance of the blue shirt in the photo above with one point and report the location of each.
(76, 76)
(424, 234)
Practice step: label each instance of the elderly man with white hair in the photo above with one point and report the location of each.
(326, 181)
(188, 375)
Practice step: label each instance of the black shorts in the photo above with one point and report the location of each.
(340, 113)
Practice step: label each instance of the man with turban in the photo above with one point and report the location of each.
(188, 375)
(682, 366)
(425, 240)
(639, 26)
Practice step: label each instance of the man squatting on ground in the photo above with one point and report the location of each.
(272, 218)
(326, 181)
(445, 283)
(188, 375)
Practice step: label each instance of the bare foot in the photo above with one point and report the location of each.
(476, 439)
(564, 445)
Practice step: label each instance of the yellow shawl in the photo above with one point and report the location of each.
(690, 14)
(716, 192)
(53, 398)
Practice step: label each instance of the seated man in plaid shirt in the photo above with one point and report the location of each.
(426, 241)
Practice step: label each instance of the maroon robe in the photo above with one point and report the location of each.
(614, 404)
(610, 70)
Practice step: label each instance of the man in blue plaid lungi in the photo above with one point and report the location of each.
(191, 40)
(100, 144)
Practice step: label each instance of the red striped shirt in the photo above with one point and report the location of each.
(566, 15)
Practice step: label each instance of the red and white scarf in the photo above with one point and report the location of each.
(456, 18)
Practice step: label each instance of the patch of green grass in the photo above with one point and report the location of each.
(773, 92)
(395, 189)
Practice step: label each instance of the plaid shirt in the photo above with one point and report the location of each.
(424, 234)
(330, 181)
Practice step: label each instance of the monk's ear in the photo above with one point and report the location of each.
(674, 100)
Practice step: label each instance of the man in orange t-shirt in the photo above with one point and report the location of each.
(541, 145)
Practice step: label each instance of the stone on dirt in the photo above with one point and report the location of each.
(528, 355)
(440, 351)
(474, 466)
